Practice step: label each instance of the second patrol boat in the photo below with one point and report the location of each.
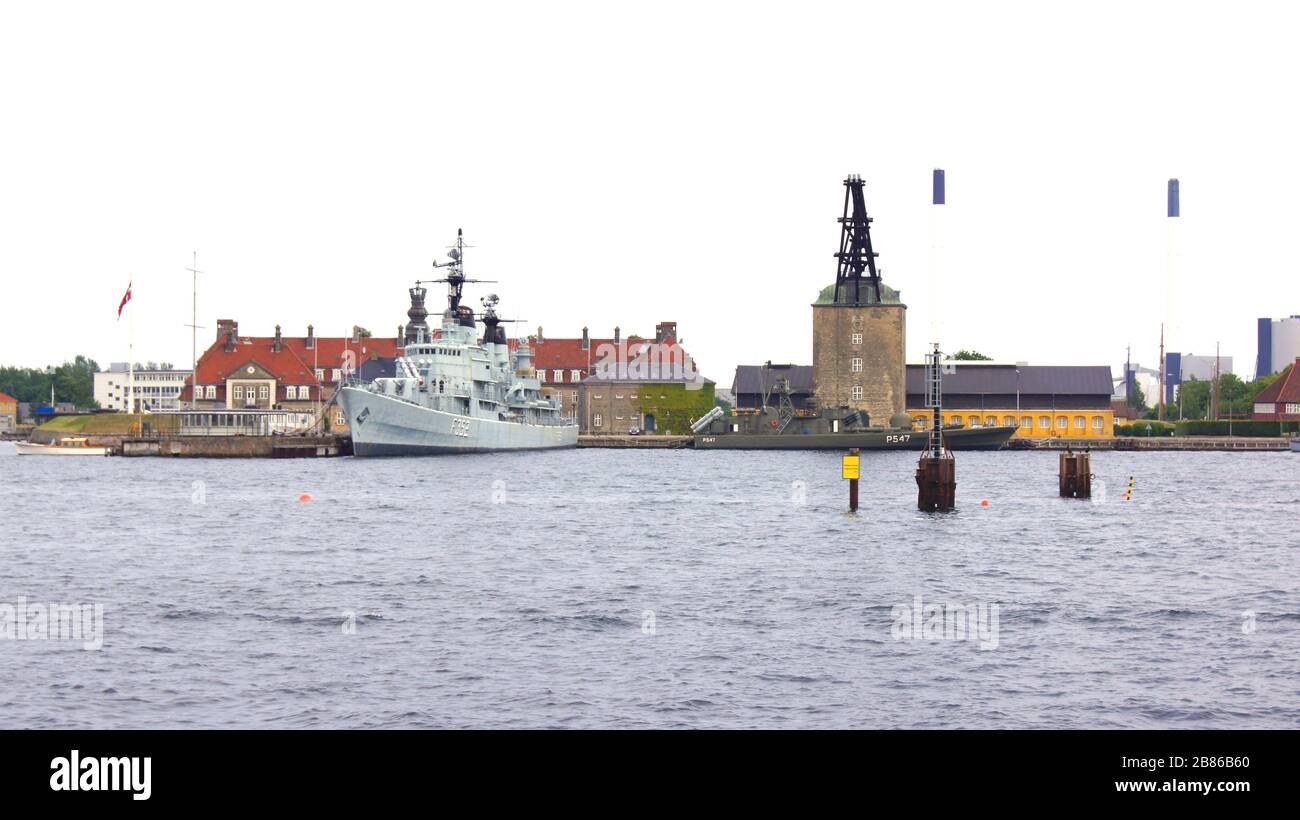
(451, 393)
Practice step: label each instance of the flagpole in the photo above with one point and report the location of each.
(130, 365)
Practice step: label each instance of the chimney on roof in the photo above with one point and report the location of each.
(615, 334)
(311, 337)
(356, 333)
(279, 342)
(225, 326)
(540, 337)
(664, 330)
(586, 340)
(232, 332)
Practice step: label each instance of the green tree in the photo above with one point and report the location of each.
(73, 381)
(964, 355)
(360, 332)
(1136, 398)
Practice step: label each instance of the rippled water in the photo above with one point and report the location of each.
(620, 588)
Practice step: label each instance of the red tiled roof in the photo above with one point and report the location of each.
(216, 365)
(569, 354)
(564, 354)
(1285, 390)
(5, 397)
(330, 350)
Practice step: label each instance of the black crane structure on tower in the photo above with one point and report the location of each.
(857, 282)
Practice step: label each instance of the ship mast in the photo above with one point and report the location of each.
(455, 280)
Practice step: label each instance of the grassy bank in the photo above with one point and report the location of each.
(105, 424)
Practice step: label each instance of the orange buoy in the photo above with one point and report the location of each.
(984, 503)
(305, 497)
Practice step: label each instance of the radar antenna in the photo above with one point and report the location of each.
(455, 277)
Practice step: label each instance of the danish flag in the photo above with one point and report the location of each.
(125, 299)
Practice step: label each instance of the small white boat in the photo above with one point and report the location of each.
(75, 446)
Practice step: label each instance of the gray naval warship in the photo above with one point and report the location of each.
(452, 393)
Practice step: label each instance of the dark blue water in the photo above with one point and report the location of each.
(618, 588)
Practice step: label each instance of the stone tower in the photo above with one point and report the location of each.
(859, 326)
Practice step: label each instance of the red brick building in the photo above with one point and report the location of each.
(279, 372)
(1280, 401)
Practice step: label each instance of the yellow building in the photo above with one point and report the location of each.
(8, 412)
(1042, 401)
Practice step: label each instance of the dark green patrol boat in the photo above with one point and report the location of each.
(784, 428)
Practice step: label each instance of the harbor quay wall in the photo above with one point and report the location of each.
(231, 446)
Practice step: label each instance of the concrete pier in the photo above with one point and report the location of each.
(1232, 443)
(232, 446)
(643, 441)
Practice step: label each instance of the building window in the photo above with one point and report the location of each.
(335, 374)
(857, 392)
(1080, 422)
(1097, 423)
(595, 420)
(921, 422)
(596, 397)
(857, 338)
(1062, 422)
(290, 392)
(1044, 421)
(974, 421)
(320, 374)
(855, 365)
(990, 421)
(1292, 409)
(575, 375)
(264, 391)
(1008, 421)
(239, 392)
(1027, 422)
(304, 392)
(340, 419)
(618, 395)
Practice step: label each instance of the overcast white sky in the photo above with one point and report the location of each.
(629, 163)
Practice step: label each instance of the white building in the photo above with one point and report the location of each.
(154, 389)
(1146, 378)
(1279, 344)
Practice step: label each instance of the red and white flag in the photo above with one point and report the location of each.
(126, 298)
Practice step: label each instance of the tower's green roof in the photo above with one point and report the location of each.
(887, 295)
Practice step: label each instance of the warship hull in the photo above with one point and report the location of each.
(972, 438)
(385, 426)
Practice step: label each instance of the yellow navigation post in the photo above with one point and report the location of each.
(851, 469)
